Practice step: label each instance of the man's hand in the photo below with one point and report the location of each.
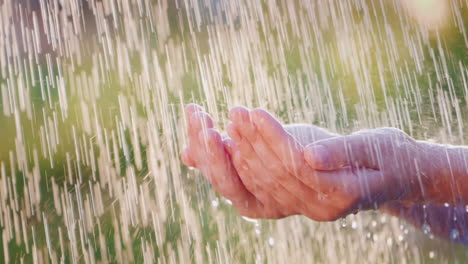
(321, 184)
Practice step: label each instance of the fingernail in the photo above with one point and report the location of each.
(320, 155)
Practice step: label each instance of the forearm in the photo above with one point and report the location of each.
(442, 169)
(444, 172)
(439, 165)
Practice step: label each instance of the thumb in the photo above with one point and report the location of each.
(334, 153)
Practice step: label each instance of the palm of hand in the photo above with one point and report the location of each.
(206, 151)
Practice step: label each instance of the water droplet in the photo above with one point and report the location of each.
(257, 231)
(389, 241)
(466, 208)
(373, 223)
(215, 203)
(432, 254)
(271, 241)
(426, 229)
(354, 225)
(375, 237)
(454, 234)
(400, 238)
(321, 196)
(446, 204)
(228, 201)
(190, 168)
(258, 257)
(343, 222)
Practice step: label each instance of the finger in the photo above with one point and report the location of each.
(232, 132)
(356, 150)
(241, 117)
(222, 175)
(241, 141)
(289, 193)
(243, 170)
(363, 188)
(286, 148)
(192, 108)
(186, 159)
(199, 121)
(251, 175)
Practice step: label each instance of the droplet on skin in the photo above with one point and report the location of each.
(454, 234)
(389, 241)
(426, 229)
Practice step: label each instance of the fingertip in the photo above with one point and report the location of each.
(192, 108)
(239, 114)
(201, 120)
(214, 137)
(267, 123)
(260, 114)
(187, 159)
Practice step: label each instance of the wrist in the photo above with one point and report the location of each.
(441, 169)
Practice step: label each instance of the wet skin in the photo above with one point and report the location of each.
(267, 173)
(272, 171)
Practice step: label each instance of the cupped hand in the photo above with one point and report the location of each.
(206, 152)
(308, 181)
